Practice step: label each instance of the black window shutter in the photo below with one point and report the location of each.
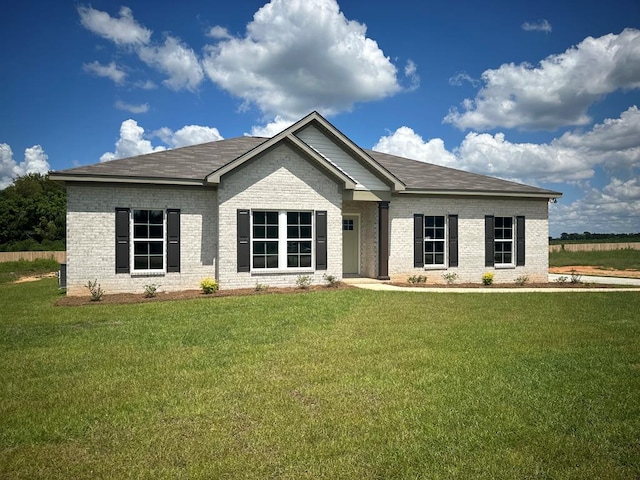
(520, 251)
(173, 240)
(418, 240)
(122, 240)
(321, 240)
(453, 240)
(489, 250)
(244, 247)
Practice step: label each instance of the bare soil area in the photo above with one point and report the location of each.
(598, 272)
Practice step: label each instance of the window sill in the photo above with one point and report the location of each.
(148, 273)
(435, 267)
(505, 266)
(280, 271)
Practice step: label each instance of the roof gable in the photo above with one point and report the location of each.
(296, 137)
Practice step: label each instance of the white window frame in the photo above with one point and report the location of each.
(282, 242)
(134, 239)
(435, 266)
(503, 241)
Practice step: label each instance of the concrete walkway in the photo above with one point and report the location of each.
(630, 285)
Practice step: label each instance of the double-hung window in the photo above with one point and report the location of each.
(434, 240)
(299, 239)
(148, 240)
(503, 241)
(281, 239)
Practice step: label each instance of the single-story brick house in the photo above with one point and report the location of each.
(307, 201)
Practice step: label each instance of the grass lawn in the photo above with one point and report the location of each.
(11, 271)
(622, 259)
(324, 385)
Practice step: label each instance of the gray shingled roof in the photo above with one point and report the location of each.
(195, 163)
(423, 176)
(186, 163)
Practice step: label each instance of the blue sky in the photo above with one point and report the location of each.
(543, 92)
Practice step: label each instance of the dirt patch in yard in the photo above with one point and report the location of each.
(598, 272)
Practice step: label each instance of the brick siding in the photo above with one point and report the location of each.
(471, 213)
(91, 235)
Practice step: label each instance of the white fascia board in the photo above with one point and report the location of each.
(115, 179)
(470, 193)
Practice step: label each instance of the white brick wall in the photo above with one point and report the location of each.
(279, 180)
(91, 235)
(471, 213)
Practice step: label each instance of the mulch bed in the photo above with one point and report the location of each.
(122, 298)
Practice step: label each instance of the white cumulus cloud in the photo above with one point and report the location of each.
(35, 161)
(110, 71)
(142, 108)
(558, 91)
(272, 128)
(122, 31)
(177, 61)
(294, 56)
(404, 142)
(133, 140)
(188, 135)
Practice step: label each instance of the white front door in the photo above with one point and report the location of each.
(350, 244)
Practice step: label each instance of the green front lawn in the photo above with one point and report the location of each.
(621, 259)
(332, 384)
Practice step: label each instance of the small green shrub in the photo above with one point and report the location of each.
(561, 279)
(450, 277)
(487, 278)
(304, 281)
(521, 280)
(95, 290)
(417, 279)
(208, 285)
(151, 290)
(330, 280)
(261, 287)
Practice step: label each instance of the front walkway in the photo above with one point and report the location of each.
(630, 285)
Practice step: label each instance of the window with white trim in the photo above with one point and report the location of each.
(281, 239)
(503, 241)
(434, 240)
(148, 240)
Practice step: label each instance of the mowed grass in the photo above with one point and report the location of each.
(621, 259)
(12, 271)
(336, 384)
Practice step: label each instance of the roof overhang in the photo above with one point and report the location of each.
(123, 179)
(484, 193)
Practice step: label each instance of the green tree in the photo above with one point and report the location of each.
(32, 213)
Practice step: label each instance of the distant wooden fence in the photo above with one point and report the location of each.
(591, 247)
(60, 257)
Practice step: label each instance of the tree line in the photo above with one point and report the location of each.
(596, 237)
(33, 214)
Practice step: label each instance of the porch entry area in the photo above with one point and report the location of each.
(350, 244)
